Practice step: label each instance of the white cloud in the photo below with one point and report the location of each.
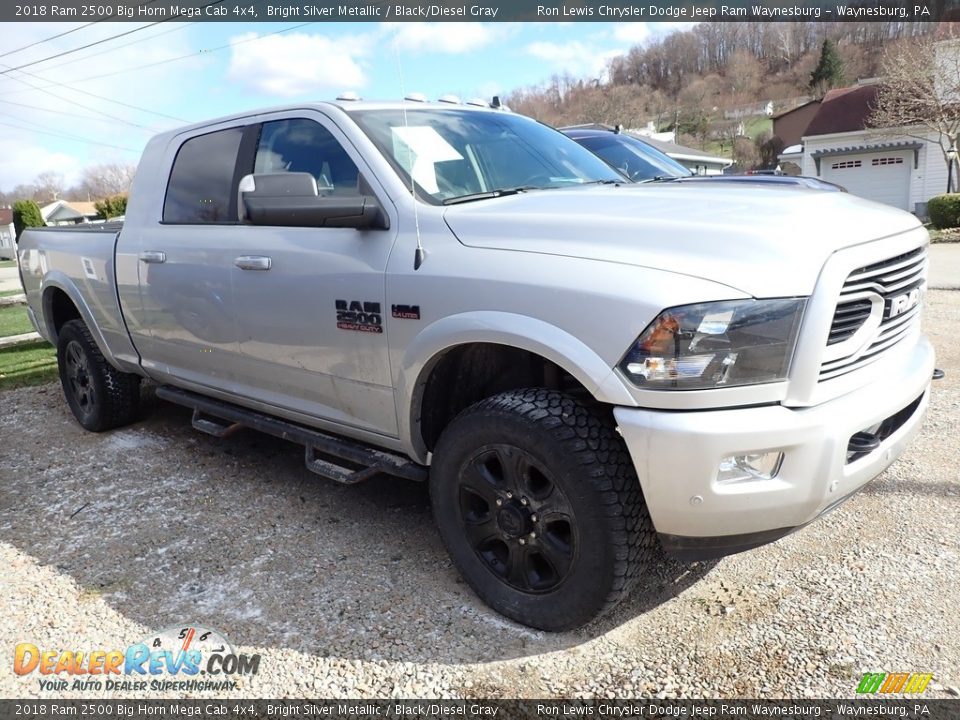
(48, 101)
(297, 64)
(24, 160)
(576, 58)
(448, 38)
(631, 32)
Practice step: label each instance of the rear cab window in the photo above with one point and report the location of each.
(202, 186)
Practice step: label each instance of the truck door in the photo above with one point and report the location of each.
(183, 320)
(310, 301)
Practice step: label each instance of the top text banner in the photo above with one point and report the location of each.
(481, 11)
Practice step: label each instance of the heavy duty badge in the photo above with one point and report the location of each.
(359, 316)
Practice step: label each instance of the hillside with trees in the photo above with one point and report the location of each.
(715, 83)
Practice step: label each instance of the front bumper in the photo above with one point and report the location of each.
(677, 455)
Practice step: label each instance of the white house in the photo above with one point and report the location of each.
(8, 248)
(697, 161)
(61, 212)
(888, 167)
(903, 167)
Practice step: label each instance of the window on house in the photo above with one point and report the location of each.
(887, 161)
(846, 164)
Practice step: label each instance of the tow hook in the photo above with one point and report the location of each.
(863, 442)
(938, 374)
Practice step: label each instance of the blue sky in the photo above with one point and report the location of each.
(109, 98)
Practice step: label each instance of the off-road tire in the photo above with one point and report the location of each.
(100, 396)
(579, 450)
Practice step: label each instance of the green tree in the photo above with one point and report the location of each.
(829, 70)
(26, 214)
(111, 207)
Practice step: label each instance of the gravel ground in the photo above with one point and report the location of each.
(347, 591)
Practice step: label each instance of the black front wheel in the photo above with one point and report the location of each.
(100, 396)
(540, 508)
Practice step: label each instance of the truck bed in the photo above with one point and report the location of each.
(80, 262)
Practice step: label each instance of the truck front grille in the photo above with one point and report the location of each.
(891, 281)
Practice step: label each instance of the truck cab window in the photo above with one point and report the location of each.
(201, 188)
(300, 145)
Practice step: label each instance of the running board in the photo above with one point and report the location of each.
(344, 461)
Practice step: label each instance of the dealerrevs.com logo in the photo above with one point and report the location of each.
(894, 683)
(180, 658)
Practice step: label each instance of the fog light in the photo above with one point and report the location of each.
(750, 466)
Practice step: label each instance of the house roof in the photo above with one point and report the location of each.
(86, 209)
(686, 153)
(795, 108)
(64, 210)
(844, 110)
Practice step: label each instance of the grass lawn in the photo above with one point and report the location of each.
(30, 365)
(755, 126)
(14, 321)
(8, 263)
(7, 293)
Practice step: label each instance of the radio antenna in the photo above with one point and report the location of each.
(420, 254)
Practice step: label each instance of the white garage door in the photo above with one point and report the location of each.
(882, 177)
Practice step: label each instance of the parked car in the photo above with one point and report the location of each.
(639, 161)
(583, 369)
(769, 181)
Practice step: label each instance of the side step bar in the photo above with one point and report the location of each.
(344, 461)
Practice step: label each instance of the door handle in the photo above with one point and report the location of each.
(253, 262)
(153, 256)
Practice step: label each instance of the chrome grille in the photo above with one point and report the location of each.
(847, 320)
(881, 281)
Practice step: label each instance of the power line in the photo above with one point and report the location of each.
(53, 83)
(69, 137)
(206, 51)
(46, 128)
(48, 39)
(182, 26)
(85, 107)
(63, 34)
(57, 112)
(82, 47)
(103, 40)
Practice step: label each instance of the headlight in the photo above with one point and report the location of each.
(717, 344)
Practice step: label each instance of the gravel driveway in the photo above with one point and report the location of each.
(347, 591)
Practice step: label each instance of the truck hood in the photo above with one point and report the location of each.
(763, 242)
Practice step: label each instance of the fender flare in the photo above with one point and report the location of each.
(55, 279)
(497, 328)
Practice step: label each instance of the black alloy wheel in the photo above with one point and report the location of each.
(518, 520)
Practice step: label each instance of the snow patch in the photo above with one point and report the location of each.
(125, 440)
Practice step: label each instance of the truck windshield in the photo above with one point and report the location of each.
(456, 155)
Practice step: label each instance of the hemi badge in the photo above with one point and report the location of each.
(406, 312)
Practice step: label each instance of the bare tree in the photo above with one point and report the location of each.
(24, 191)
(920, 96)
(49, 187)
(105, 180)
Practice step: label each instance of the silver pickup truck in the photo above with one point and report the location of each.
(584, 371)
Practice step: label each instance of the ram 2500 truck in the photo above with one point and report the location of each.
(583, 370)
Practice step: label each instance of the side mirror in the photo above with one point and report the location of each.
(293, 200)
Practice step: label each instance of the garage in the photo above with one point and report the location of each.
(883, 176)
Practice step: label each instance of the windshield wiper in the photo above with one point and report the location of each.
(660, 178)
(503, 192)
(604, 182)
